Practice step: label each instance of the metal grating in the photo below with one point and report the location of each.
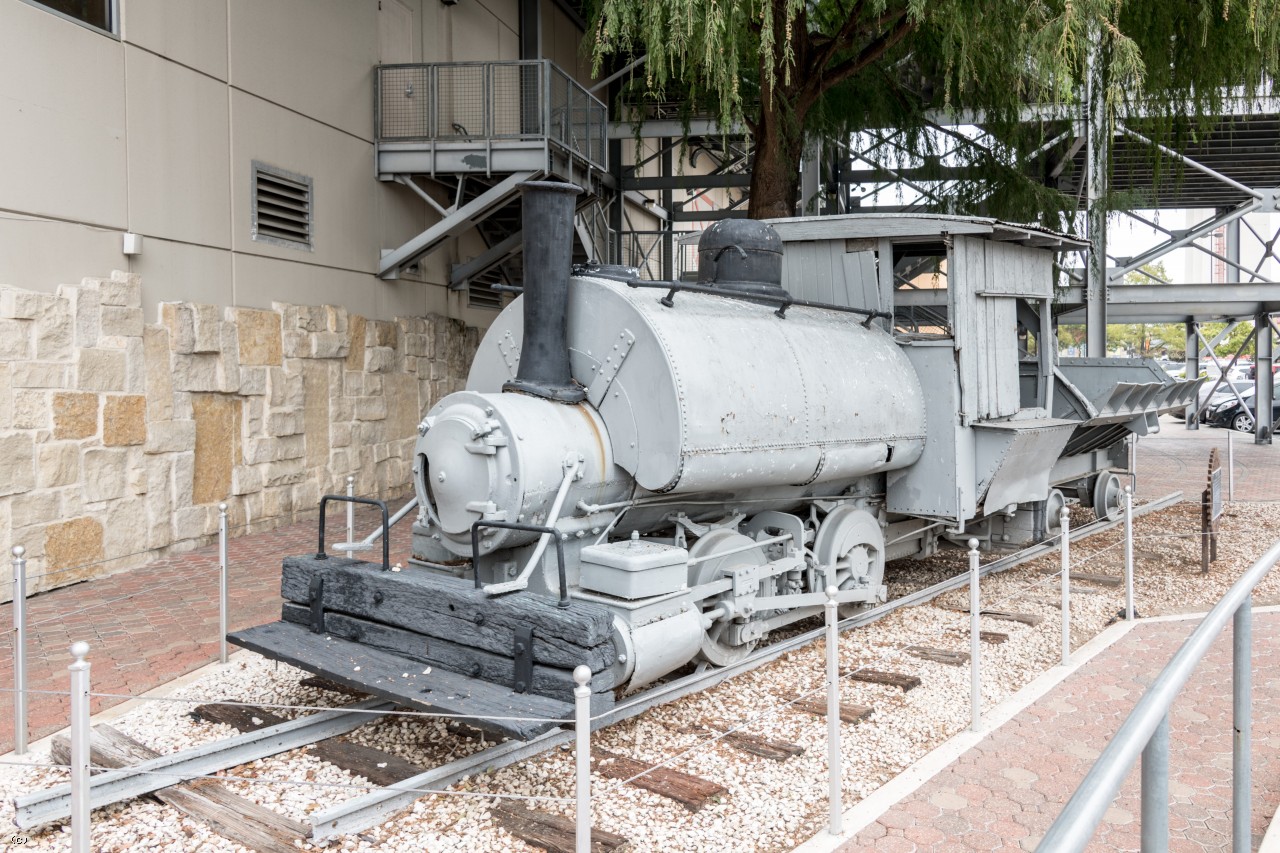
(460, 102)
(281, 207)
(478, 101)
(404, 101)
(516, 93)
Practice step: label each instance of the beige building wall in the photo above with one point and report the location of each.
(154, 132)
(139, 391)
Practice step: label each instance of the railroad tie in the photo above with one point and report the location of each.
(757, 745)
(1088, 577)
(891, 679)
(993, 637)
(235, 818)
(331, 687)
(380, 768)
(946, 656)
(550, 832)
(849, 713)
(689, 791)
(1032, 619)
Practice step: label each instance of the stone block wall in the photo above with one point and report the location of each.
(119, 438)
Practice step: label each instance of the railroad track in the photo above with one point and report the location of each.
(264, 734)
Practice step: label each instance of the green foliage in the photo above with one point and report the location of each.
(831, 67)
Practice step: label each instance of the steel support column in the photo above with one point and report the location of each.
(618, 202)
(1263, 395)
(1099, 138)
(1233, 249)
(668, 237)
(530, 29)
(811, 179)
(1193, 370)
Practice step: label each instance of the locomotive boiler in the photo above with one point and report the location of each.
(643, 476)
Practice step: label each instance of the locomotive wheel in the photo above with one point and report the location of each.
(1106, 496)
(851, 540)
(1053, 504)
(715, 646)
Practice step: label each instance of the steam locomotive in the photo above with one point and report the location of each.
(641, 476)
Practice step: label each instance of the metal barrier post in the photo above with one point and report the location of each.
(19, 650)
(1128, 554)
(1242, 714)
(80, 829)
(834, 768)
(222, 583)
(1231, 466)
(351, 509)
(975, 642)
(582, 756)
(1065, 517)
(1155, 790)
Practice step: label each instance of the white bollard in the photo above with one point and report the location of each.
(582, 756)
(80, 828)
(1128, 554)
(975, 642)
(1066, 586)
(351, 510)
(1231, 466)
(19, 650)
(834, 768)
(222, 583)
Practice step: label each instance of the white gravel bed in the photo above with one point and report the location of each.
(770, 806)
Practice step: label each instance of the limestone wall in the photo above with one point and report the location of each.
(118, 438)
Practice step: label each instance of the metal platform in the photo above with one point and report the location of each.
(476, 130)
(407, 682)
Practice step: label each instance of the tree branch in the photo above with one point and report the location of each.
(823, 81)
(842, 38)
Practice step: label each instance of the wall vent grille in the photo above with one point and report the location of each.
(282, 207)
(484, 296)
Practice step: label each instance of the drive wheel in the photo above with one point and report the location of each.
(850, 540)
(1242, 423)
(716, 645)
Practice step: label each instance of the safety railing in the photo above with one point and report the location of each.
(1146, 732)
(507, 100)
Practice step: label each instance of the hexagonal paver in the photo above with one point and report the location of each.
(1005, 792)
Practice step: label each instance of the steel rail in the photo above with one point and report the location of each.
(41, 807)
(373, 808)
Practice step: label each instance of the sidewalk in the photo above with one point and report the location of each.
(150, 625)
(1177, 459)
(1004, 792)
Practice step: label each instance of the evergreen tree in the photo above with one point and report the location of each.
(827, 68)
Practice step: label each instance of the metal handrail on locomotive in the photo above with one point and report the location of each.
(707, 459)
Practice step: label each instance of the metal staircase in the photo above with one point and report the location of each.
(476, 130)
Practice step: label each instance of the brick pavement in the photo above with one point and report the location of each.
(150, 625)
(1005, 792)
(1177, 458)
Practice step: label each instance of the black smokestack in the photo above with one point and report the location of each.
(548, 209)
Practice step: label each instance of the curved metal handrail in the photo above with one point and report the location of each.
(1146, 732)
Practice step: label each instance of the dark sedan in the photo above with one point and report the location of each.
(1230, 414)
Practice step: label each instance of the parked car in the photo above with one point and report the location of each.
(1221, 393)
(1230, 414)
(1252, 370)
